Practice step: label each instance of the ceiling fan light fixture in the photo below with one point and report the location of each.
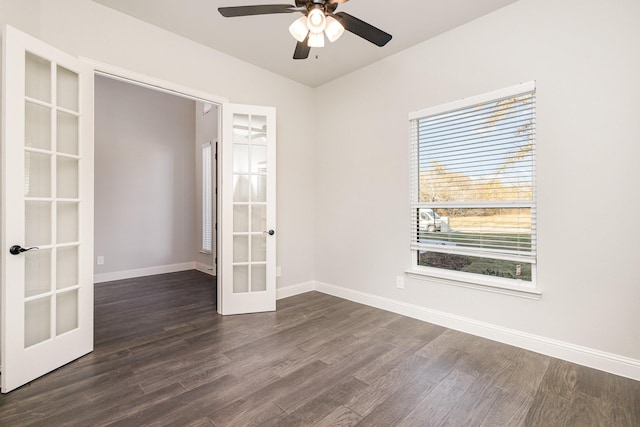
(334, 29)
(316, 20)
(320, 19)
(299, 29)
(316, 39)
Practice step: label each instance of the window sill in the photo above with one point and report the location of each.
(202, 251)
(487, 284)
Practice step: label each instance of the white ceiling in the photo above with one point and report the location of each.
(265, 40)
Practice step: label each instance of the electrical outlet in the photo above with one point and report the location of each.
(278, 271)
(400, 282)
(100, 260)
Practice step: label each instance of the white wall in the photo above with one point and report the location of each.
(85, 28)
(145, 184)
(23, 14)
(585, 59)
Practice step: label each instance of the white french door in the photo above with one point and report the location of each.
(47, 209)
(248, 204)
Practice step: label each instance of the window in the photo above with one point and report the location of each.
(207, 226)
(473, 209)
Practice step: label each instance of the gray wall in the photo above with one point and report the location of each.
(584, 57)
(145, 191)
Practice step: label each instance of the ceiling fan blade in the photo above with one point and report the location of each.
(263, 9)
(301, 3)
(363, 29)
(302, 49)
(337, 1)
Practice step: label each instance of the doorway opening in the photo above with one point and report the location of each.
(155, 182)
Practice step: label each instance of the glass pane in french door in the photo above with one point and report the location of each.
(37, 321)
(37, 126)
(67, 311)
(51, 189)
(249, 202)
(67, 93)
(37, 78)
(37, 272)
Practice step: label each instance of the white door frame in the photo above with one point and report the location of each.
(143, 80)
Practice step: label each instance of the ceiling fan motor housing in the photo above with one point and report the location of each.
(325, 5)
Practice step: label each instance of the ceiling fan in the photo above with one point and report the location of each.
(319, 20)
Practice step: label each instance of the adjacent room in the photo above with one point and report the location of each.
(154, 178)
(417, 213)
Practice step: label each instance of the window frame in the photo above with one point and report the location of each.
(465, 279)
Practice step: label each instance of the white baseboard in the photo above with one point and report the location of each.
(289, 291)
(205, 268)
(140, 272)
(608, 362)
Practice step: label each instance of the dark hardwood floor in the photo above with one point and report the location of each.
(164, 357)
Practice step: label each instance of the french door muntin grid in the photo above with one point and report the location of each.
(249, 203)
(52, 203)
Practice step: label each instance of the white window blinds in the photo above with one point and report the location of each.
(473, 177)
(207, 226)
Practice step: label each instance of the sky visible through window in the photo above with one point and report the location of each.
(487, 143)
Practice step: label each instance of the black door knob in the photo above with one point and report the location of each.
(17, 249)
(270, 232)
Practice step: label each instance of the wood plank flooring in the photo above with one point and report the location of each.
(163, 357)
